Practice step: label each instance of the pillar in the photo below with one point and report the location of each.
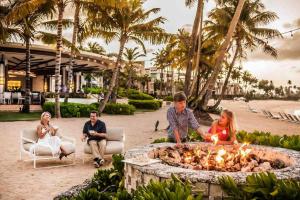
(2, 75)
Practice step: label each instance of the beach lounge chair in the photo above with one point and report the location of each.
(114, 145)
(294, 119)
(29, 137)
(291, 119)
(297, 119)
(272, 116)
(265, 113)
(252, 110)
(282, 117)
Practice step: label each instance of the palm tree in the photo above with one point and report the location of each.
(95, 47)
(131, 55)
(193, 42)
(126, 23)
(248, 34)
(161, 61)
(220, 54)
(25, 29)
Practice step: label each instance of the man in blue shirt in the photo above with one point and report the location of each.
(180, 120)
(95, 131)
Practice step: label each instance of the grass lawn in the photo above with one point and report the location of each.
(16, 116)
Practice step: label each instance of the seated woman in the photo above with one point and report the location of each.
(224, 128)
(47, 136)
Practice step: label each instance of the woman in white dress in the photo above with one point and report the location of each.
(47, 136)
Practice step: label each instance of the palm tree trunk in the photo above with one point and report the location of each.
(26, 106)
(191, 52)
(226, 80)
(172, 82)
(129, 79)
(209, 85)
(161, 82)
(115, 75)
(60, 5)
(74, 40)
(198, 55)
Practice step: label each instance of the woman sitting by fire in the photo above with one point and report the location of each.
(223, 130)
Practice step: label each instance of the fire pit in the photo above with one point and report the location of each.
(203, 163)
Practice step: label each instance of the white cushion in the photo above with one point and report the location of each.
(112, 147)
(44, 151)
(115, 134)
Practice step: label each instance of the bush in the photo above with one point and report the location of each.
(92, 90)
(70, 109)
(83, 110)
(117, 108)
(265, 138)
(168, 98)
(146, 104)
(140, 96)
(261, 186)
(165, 190)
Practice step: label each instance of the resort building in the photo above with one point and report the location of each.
(42, 68)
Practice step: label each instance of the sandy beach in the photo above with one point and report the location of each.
(18, 180)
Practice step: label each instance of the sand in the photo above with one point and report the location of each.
(18, 179)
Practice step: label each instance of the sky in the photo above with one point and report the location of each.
(285, 67)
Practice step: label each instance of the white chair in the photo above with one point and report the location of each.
(7, 96)
(20, 98)
(29, 138)
(114, 145)
(2, 100)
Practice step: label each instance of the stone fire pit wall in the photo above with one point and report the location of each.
(202, 180)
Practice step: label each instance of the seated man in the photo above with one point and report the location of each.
(95, 131)
(180, 120)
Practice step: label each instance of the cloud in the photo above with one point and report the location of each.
(288, 49)
(295, 23)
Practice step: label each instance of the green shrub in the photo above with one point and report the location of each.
(92, 90)
(168, 98)
(166, 190)
(70, 109)
(117, 108)
(265, 138)
(261, 186)
(140, 96)
(146, 104)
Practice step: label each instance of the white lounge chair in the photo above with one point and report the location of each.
(114, 144)
(29, 138)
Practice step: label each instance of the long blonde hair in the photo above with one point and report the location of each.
(231, 121)
(42, 116)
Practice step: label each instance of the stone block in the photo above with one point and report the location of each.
(215, 190)
(200, 187)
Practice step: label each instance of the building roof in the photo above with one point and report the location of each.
(43, 59)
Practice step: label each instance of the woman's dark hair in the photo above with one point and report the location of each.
(94, 112)
(179, 96)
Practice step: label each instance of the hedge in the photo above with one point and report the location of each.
(168, 98)
(146, 104)
(140, 96)
(92, 90)
(117, 108)
(83, 110)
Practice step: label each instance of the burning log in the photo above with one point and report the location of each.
(203, 157)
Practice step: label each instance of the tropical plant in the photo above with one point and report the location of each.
(130, 22)
(193, 41)
(261, 186)
(249, 34)
(131, 55)
(174, 189)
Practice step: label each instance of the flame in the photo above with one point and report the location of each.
(215, 139)
(219, 159)
(222, 152)
(187, 157)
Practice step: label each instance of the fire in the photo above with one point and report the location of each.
(187, 157)
(219, 158)
(215, 139)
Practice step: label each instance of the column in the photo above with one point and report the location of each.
(78, 86)
(2, 76)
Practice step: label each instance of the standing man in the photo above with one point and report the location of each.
(180, 120)
(95, 131)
